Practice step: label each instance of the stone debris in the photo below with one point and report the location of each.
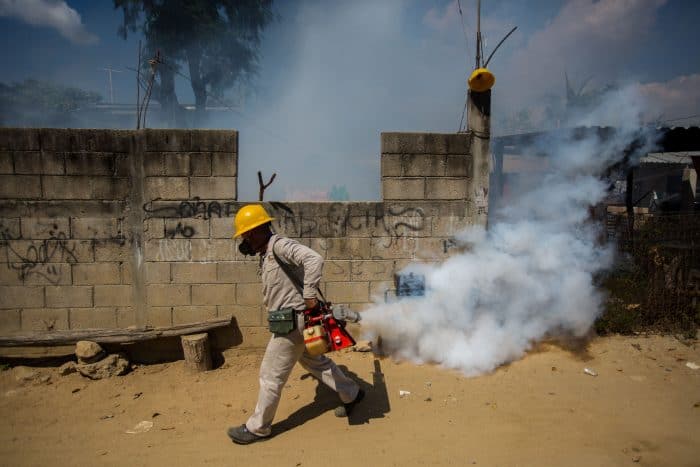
(140, 427)
(590, 371)
(89, 352)
(692, 365)
(67, 368)
(363, 346)
(26, 375)
(112, 365)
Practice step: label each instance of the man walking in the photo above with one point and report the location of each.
(281, 257)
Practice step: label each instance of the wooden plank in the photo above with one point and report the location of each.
(109, 336)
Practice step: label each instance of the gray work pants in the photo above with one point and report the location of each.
(280, 356)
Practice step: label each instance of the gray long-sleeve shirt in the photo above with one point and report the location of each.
(307, 265)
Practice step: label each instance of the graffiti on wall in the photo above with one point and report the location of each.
(40, 258)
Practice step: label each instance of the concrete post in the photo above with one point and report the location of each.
(479, 126)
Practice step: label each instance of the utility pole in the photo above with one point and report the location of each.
(109, 70)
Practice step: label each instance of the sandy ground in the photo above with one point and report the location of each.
(643, 408)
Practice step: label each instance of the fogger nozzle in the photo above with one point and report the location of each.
(346, 314)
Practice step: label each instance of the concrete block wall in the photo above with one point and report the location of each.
(77, 249)
(121, 228)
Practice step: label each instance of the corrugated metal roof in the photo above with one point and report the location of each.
(682, 158)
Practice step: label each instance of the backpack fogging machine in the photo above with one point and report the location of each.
(324, 328)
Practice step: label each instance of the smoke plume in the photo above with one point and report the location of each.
(530, 275)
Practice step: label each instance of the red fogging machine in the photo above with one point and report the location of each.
(324, 328)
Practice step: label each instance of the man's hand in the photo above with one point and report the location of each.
(310, 303)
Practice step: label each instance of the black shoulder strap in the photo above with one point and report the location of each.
(292, 277)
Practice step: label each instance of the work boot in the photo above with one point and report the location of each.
(345, 409)
(241, 435)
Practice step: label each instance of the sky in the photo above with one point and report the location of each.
(335, 74)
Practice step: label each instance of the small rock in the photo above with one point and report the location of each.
(67, 368)
(404, 393)
(363, 346)
(112, 365)
(26, 375)
(590, 371)
(89, 352)
(692, 365)
(428, 399)
(141, 427)
(636, 458)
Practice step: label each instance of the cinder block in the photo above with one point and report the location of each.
(336, 271)
(213, 187)
(431, 249)
(186, 228)
(86, 140)
(53, 163)
(221, 227)
(44, 319)
(168, 295)
(215, 140)
(372, 270)
(20, 186)
(112, 251)
(459, 166)
(126, 316)
(159, 316)
(96, 274)
(93, 318)
(122, 165)
(198, 273)
(423, 165)
(68, 296)
(379, 291)
(21, 297)
(169, 140)
(9, 228)
(39, 228)
(153, 164)
(65, 187)
(391, 165)
(27, 162)
(448, 226)
(403, 188)
(425, 143)
(342, 248)
(10, 321)
(249, 294)
(446, 188)
(89, 164)
(170, 250)
(153, 228)
(19, 139)
(224, 164)
(245, 315)
(192, 314)
(393, 247)
(166, 188)
(109, 188)
(47, 274)
(95, 227)
(113, 295)
(213, 294)
(6, 166)
(286, 225)
(237, 271)
(35, 253)
(11, 273)
(175, 163)
(200, 164)
(157, 273)
(214, 250)
(347, 292)
(126, 273)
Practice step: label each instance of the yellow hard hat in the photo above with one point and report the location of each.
(481, 80)
(249, 217)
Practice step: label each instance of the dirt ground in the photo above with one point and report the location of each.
(642, 408)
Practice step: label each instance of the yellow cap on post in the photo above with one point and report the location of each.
(481, 80)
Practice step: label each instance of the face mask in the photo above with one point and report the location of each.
(245, 248)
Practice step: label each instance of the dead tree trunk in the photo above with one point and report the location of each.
(197, 352)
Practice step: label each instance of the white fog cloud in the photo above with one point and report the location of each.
(55, 14)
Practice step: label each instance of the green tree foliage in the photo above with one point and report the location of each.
(217, 41)
(40, 103)
(338, 193)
